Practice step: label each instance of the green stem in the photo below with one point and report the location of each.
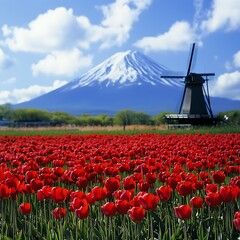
(167, 222)
(76, 227)
(215, 223)
(185, 229)
(150, 225)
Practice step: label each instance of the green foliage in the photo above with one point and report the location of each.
(5, 112)
(121, 118)
(62, 117)
(231, 117)
(100, 120)
(128, 117)
(124, 118)
(22, 114)
(143, 119)
(160, 118)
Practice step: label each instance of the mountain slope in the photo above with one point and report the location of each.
(124, 69)
(127, 80)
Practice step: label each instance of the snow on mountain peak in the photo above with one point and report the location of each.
(124, 69)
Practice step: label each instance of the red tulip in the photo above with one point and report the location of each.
(237, 214)
(58, 171)
(77, 194)
(199, 185)
(44, 193)
(77, 203)
(173, 180)
(129, 183)
(112, 184)
(29, 175)
(77, 172)
(123, 194)
(36, 184)
(203, 175)
(122, 206)
(149, 201)
(99, 193)
(136, 214)
(211, 188)
(59, 212)
(25, 208)
(164, 193)
(236, 220)
(82, 182)
(218, 176)
(13, 183)
(109, 209)
(82, 212)
(183, 212)
(4, 191)
(236, 223)
(228, 193)
(235, 181)
(185, 188)
(137, 176)
(162, 176)
(196, 202)
(59, 194)
(143, 186)
(151, 177)
(213, 199)
(90, 198)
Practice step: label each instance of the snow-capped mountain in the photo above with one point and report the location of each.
(124, 69)
(127, 80)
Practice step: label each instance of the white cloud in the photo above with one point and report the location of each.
(5, 60)
(9, 80)
(227, 85)
(56, 29)
(62, 63)
(234, 63)
(198, 4)
(118, 21)
(224, 14)
(18, 95)
(228, 65)
(236, 59)
(61, 35)
(179, 36)
(59, 29)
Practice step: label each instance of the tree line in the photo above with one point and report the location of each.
(124, 117)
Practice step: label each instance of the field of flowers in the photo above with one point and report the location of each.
(144, 186)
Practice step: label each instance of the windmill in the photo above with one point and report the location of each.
(195, 107)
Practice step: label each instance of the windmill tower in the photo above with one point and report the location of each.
(195, 107)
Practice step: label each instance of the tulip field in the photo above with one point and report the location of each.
(110, 187)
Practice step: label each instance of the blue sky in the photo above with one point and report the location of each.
(45, 44)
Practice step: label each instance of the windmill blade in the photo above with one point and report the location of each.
(163, 76)
(191, 59)
(206, 74)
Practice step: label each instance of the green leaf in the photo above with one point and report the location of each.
(5, 238)
(20, 235)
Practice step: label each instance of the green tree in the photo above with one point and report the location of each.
(230, 117)
(105, 120)
(160, 118)
(83, 120)
(124, 118)
(5, 111)
(63, 117)
(30, 114)
(142, 118)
